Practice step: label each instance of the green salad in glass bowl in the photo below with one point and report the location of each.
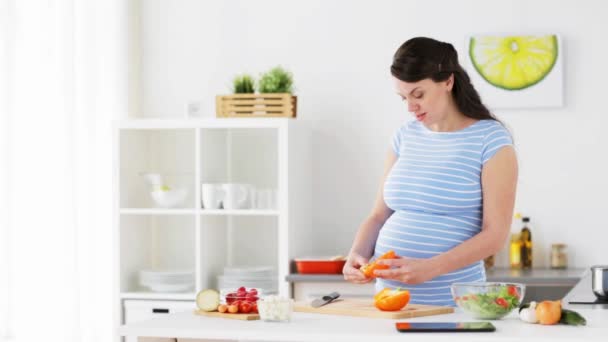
(488, 300)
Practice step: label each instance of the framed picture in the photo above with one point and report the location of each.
(516, 71)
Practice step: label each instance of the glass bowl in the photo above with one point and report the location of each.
(169, 198)
(230, 295)
(488, 300)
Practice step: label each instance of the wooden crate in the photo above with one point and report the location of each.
(256, 105)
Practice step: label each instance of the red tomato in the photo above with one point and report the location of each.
(251, 297)
(230, 298)
(254, 307)
(245, 307)
(512, 290)
(502, 302)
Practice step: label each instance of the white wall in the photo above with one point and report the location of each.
(340, 52)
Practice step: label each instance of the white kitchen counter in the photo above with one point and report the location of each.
(318, 327)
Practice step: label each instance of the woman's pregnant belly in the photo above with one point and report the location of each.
(424, 235)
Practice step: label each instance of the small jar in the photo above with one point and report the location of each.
(275, 309)
(559, 257)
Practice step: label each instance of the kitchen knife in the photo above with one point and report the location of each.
(324, 300)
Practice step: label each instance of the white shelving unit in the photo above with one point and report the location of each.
(268, 153)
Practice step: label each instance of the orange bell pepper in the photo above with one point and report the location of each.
(369, 268)
(391, 300)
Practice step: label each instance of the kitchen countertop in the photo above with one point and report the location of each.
(542, 276)
(320, 328)
(582, 293)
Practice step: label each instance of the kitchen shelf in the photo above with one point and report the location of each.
(170, 153)
(267, 155)
(146, 211)
(214, 212)
(158, 295)
(239, 212)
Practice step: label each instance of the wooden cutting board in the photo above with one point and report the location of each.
(366, 308)
(241, 316)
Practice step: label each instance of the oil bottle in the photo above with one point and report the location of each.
(515, 251)
(526, 244)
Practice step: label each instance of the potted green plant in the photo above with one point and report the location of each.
(274, 99)
(243, 84)
(276, 80)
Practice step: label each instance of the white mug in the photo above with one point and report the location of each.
(211, 195)
(236, 195)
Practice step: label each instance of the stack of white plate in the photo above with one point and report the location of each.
(167, 281)
(262, 278)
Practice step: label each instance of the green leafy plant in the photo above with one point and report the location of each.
(243, 84)
(277, 80)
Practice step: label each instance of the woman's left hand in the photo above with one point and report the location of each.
(408, 270)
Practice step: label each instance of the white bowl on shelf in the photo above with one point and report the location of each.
(169, 198)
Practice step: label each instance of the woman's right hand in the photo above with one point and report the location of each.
(351, 269)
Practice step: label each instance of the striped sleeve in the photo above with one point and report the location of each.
(396, 142)
(494, 141)
(397, 138)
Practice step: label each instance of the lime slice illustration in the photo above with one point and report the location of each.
(516, 62)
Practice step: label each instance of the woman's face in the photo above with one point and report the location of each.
(427, 100)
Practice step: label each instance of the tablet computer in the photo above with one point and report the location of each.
(445, 326)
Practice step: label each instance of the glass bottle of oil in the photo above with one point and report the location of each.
(515, 251)
(526, 244)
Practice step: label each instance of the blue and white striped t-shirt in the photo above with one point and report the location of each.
(434, 188)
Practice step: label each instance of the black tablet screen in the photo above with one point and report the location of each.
(444, 326)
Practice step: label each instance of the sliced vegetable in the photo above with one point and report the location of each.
(369, 268)
(208, 300)
(391, 300)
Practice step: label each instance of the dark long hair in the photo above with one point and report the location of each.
(421, 58)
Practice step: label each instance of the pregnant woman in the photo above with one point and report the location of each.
(448, 190)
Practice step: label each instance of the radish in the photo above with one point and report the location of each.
(208, 300)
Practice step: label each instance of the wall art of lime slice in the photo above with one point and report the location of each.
(516, 62)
